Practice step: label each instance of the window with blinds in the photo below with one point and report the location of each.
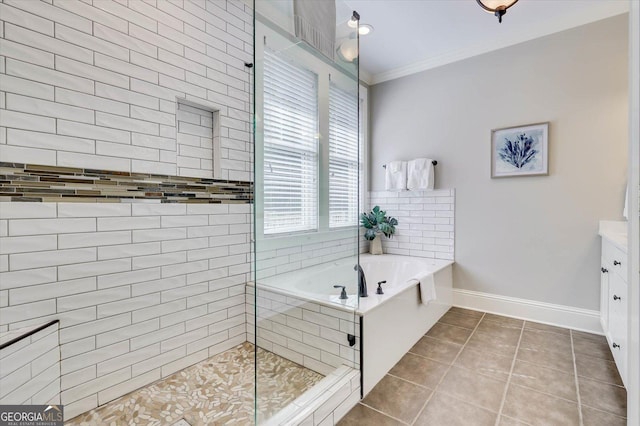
(343, 157)
(290, 146)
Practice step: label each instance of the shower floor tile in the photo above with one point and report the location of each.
(216, 391)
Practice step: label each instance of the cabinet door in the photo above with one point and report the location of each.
(618, 322)
(604, 296)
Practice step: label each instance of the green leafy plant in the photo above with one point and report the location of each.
(377, 222)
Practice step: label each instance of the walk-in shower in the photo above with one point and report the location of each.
(307, 198)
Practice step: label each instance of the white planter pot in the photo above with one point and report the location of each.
(375, 245)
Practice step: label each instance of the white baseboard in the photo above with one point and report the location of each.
(531, 310)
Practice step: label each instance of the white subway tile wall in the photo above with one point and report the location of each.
(97, 84)
(137, 298)
(30, 368)
(426, 222)
(306, 333)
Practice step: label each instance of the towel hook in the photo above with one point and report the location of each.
(434, 162)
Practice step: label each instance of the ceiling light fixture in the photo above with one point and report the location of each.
(365, 29)
(353, 22)
(497, 7)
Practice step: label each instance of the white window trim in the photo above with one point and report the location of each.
(324, 233)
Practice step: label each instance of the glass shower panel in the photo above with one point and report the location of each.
(304, 296)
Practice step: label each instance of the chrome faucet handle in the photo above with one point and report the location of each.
(379, 290)
(343, 293)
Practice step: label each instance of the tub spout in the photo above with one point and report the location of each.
(362, 281)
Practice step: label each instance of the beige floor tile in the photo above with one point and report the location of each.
(489, 364)
(449, 333)
(597, 348)
(605, 397)
(397, 398)
(545, 380)
(561, 361)
(361, 415)
(419, 370)
(508, 421)
(509, 335)
(474, 388)
(542, 340)
(488, 342)
(472, 313)
(529, 325)
(539, 409)
(435, 349)
(589, 336)
(598, 369)
(445, 410)
(504, 321)
(593, 417)
(460, 320)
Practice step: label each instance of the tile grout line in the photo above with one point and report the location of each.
(383, 413)
(513, 364)
(435, 389)
(575, 375)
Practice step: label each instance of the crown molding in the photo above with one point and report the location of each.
(607, 9)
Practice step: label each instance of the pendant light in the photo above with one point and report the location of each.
(497, 7)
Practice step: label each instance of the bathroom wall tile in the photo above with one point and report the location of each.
(116, 96)
(51, 290)
(51, 258)
(50, 226)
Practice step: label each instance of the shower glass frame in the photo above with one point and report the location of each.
(340, 244)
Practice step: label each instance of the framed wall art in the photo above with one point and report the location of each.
(520, 151)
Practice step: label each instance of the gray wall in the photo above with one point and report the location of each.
(535, 237)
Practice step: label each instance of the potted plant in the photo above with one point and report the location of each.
(376, 222)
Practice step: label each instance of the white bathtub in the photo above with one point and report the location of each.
(316, 283)
(390, 323)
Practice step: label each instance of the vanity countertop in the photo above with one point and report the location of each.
(615, 232)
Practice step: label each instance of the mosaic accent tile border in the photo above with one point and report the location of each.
(38, 183)
(216, 391)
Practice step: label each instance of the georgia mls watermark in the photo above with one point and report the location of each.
(31, 415)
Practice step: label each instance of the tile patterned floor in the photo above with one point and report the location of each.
(217, 391)
(476, 369)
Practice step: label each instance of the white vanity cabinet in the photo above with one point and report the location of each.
(613, 295)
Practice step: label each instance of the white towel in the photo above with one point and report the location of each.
(420, 174)
(427, 286)
(396, 176)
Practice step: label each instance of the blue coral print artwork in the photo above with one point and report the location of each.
(520, 151)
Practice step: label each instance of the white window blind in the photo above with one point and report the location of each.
(343, 157)
(290, 146)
